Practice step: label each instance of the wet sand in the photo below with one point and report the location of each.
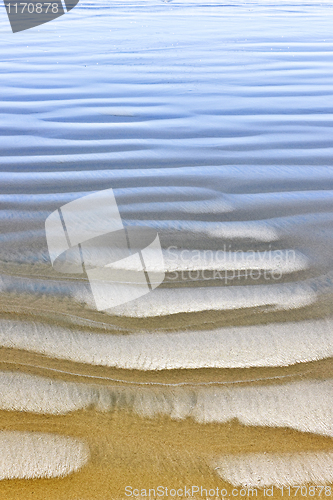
(212, 125)
(130, 451)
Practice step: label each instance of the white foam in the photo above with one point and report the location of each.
(166, 301)
(23, 392)
(259, 470)
(231, 230)
(27, 455)
(218, 205)
(304, 406)
(230, 347)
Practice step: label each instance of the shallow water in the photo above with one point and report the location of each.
(212, 124)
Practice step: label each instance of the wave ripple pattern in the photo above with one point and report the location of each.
(181, 148)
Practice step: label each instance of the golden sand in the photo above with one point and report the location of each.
(144, 453)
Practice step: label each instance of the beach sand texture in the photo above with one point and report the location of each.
(212, 123)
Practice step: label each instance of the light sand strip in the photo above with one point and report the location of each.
(259, 470)
(26, 455)
(163, 302)
(276, 344)
(304, 406)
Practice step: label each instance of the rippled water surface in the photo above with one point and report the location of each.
(212, 123)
